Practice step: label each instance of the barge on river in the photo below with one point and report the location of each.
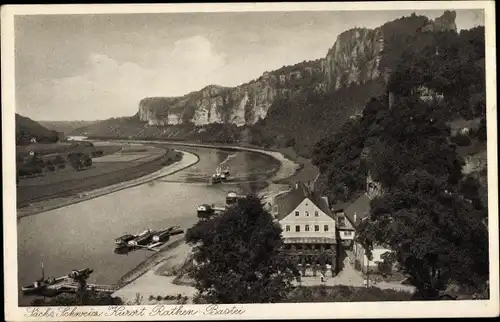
(55, 285)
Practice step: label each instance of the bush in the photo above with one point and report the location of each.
(461, 140)
(61, 166)
(51, 168)
(59, 160)
(343, 293)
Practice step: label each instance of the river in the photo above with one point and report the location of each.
(82, 235)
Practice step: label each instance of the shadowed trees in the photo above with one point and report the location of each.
(438, 235)
(238, 256)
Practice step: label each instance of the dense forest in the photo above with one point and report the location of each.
(411, 132)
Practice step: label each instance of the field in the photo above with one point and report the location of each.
(53, 149)
(66, 182)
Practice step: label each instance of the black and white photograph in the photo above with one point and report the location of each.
(185, 161)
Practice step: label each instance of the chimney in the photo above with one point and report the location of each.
(355, 217)
(296, 185)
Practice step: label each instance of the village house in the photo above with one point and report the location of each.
(348, 217)
(309, 228)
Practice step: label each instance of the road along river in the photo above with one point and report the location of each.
(82, 234)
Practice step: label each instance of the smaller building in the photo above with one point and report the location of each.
(345, 229)
(349, 218)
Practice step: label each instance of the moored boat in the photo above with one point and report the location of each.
(45, 285)
(142, 238)
(123, 240)
(77, 273)
(216, 178)
(164, 236)
(204, 211)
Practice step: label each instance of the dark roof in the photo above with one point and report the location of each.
(360, 207)
(287, 202)
(339, 206)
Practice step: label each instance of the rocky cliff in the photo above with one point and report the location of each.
(354, 58)
(241, 105)
(358, 56)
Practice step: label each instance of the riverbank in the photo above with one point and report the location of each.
(187, 160)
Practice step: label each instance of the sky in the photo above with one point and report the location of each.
(93, 67)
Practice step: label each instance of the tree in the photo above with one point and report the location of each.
(437, 234)
(79, 160)
(75, 159)
(481, 132)
(87, 161)
(413, 137)
(238, 256)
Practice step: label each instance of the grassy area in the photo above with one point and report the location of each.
(100, 175)
(63, 149)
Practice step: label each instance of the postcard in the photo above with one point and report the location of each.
(249, 160)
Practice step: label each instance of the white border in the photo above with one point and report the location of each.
(252, 311)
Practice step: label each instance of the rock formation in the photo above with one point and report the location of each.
(356, 58)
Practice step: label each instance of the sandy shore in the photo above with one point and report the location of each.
(188, 159)
(153, 280)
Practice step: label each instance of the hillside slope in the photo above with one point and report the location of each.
(27, 129)
(66, 127)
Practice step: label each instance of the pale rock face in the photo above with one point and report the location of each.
(238, 115)
(354, 58)
(245, 104)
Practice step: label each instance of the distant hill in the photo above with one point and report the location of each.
(27, 129)
(66, 127)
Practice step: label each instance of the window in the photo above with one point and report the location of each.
(307, 227)
(307, 213)
(296, 213)
(325, 228)
(316, 227)
(348, 233)
(297, 228)
(316, 213)
(287, 228)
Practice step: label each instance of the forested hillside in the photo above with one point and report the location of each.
(431, 212)
(27, 129)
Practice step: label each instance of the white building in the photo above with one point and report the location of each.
(309, 229)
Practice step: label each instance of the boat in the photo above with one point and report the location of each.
(216, 178)
(41, 285)
(123, 240)
(163, 236)
(44, 285)
(232, 198)
(205, 211)
(77, 273)
(142, 239)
